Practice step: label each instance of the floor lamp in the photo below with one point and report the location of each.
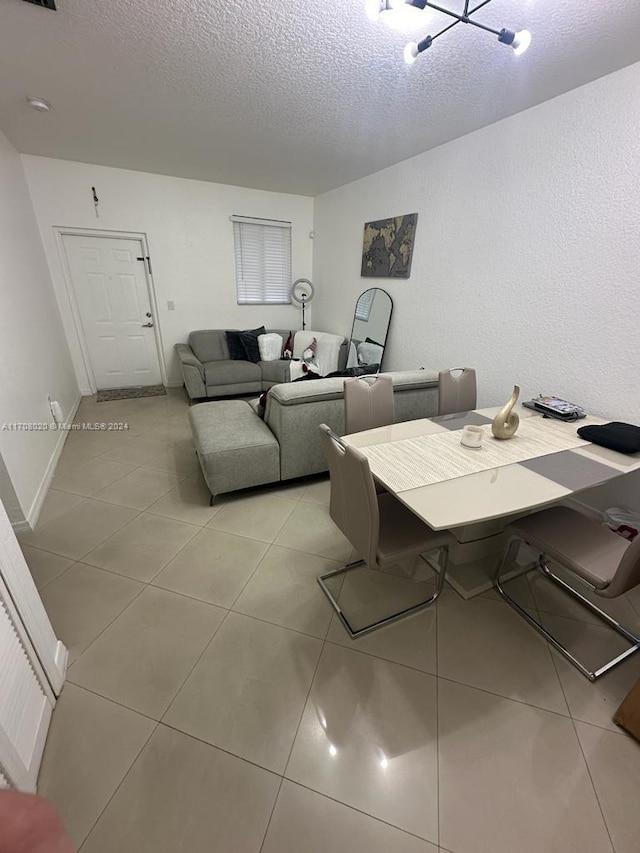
(302, 292)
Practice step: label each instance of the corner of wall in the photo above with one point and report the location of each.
(36, 506)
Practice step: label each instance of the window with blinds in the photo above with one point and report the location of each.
(263, 261)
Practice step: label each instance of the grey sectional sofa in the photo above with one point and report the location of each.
(208, 370)
(237, 448)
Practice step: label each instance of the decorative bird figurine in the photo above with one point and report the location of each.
(505, 424)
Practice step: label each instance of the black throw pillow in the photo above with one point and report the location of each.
(249, 340)
(236, 350)
(625, 438)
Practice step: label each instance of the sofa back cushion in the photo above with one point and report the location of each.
(249, 340)
(209, 344)
(270, 346)
(234, 345)
(294, 410)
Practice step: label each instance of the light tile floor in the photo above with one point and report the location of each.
(213, 702)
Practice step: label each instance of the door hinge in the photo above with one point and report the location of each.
(148, 260)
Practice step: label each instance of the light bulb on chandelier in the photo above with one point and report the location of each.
(380, 9)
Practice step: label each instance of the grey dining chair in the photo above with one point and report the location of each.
(604, 562)
(456, 393)
(368, 405)
(382, 531)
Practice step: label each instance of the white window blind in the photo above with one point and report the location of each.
(263, 260)
(364, 303)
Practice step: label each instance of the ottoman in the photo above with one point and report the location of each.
(235, 447)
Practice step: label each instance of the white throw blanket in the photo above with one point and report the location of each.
(327, 351)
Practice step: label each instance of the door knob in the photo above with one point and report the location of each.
(147, 325)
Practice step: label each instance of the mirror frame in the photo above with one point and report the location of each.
(386, 332)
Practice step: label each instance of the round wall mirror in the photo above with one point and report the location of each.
(371, 321)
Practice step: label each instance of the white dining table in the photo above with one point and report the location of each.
(423, 464)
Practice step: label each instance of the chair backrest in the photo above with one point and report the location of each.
(627, 574)
(367, 405)
(456, 393)
(353, 504)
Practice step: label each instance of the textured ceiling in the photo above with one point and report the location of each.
(294, 95)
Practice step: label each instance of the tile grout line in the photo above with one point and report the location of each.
(451, 680)
(109, 699)
(223, 749)
(101, 542)
(145, 586)
(366, 814)
(584, 757)
(134, 465)
(293, 741)
(275, 803)
(323, 641)
(261, 560)
(86, 649)
(188, 676)
(119, 785)
(295, 630)
(129, 577)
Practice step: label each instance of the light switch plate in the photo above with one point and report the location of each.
(171, 305)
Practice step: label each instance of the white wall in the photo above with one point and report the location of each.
(34, 357)
(527, 256)
(190, 240)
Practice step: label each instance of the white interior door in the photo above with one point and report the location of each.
(112, 296)
(27, 646)
(26, 704)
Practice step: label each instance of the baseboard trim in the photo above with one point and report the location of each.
(36, 506)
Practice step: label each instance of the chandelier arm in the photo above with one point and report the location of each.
(479, 6)
(482, 27)
(460, 19)
(445, 30)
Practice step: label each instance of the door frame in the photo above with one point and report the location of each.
(60, 232)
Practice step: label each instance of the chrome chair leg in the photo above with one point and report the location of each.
(358, 632)
(542, 566)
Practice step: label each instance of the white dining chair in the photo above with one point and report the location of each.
(456, 390)
(366, 405)
(604, 562)
(382, 531)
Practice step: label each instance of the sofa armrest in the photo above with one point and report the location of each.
(187, 356)
(192, 371)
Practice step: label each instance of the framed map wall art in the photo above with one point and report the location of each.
(387, 247)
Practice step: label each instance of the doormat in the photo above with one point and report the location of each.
(131, 393)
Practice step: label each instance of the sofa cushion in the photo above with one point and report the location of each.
(275, 371)
(234, 344)
(209, 344)
(249, 340)
(270, 346)
(235, 448)
(296, 393)
(231, 372)
(405, 379)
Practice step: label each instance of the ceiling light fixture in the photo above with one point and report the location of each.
(39, 104)
(519, 41)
